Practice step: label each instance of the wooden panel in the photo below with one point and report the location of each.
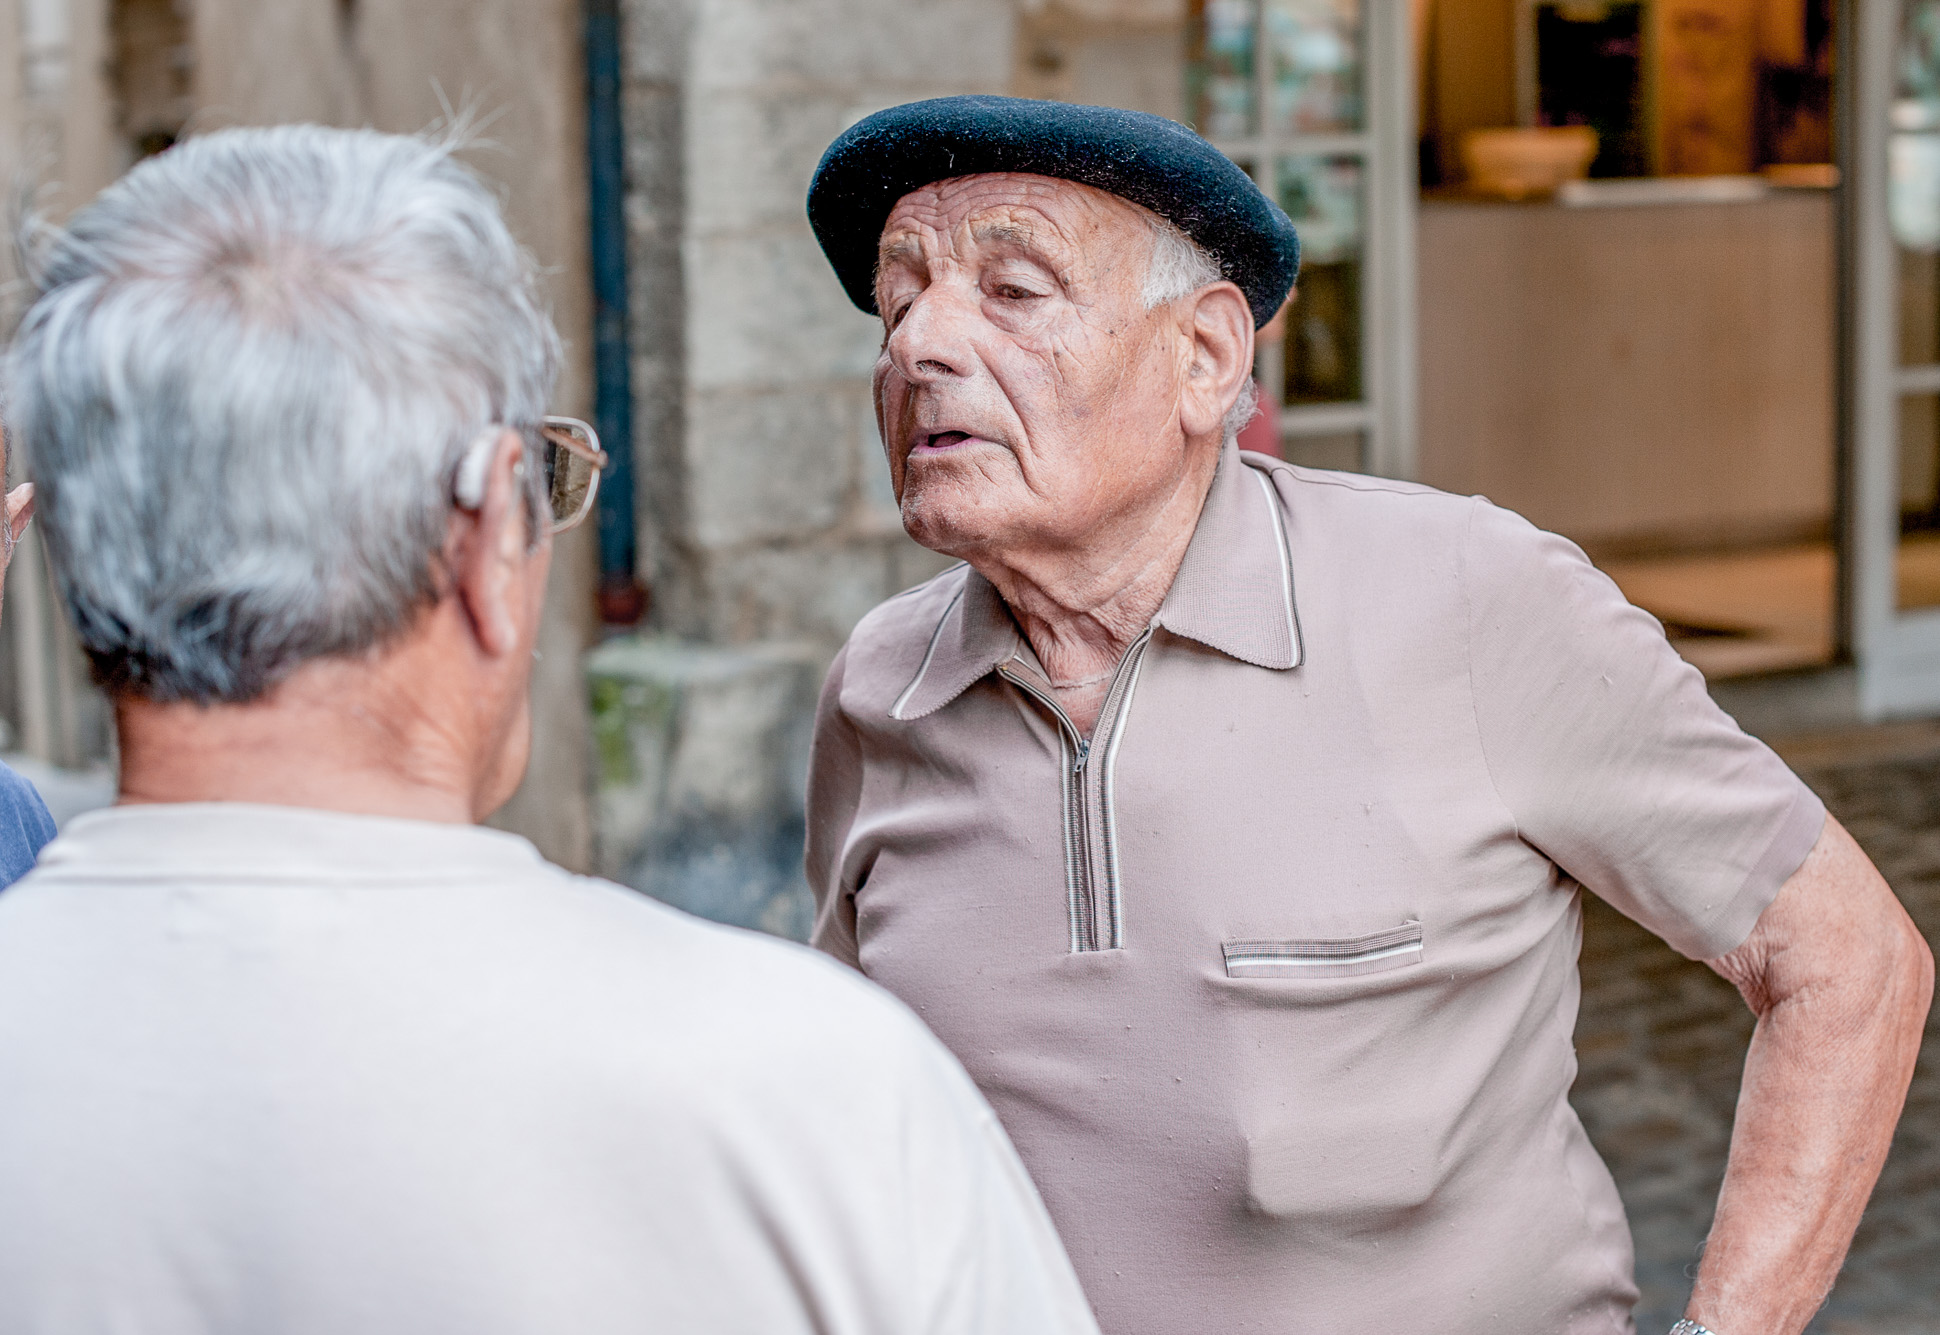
(1706, 53)
(1472, 73)
(1630, 376)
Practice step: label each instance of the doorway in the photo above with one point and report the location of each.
(1893, 217)
(1641, 352)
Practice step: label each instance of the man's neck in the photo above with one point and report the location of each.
(329, 737)
(1081, 610)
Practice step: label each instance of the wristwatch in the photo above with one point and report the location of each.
(1686, 1326)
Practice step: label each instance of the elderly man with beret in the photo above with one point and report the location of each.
(1229, 819)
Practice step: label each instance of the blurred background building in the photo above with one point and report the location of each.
(1664, 275)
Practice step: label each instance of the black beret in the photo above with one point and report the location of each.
(1147, 159)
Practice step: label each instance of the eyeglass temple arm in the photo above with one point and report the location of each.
(566, 432)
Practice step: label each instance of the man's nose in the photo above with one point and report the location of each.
(932, 341)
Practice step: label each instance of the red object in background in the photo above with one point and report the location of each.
(623, 600)
(1262, 434)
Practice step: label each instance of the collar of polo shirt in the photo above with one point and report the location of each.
(1233, 593)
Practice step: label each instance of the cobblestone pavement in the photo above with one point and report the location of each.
(1661, 1042)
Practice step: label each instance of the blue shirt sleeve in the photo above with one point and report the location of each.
(25, 826)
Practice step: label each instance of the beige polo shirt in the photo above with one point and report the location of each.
(1272, 980)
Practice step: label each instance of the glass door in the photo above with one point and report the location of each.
(1315, 100)
(1893, 556)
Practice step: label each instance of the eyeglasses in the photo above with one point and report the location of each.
(573, 461)
(572, 458)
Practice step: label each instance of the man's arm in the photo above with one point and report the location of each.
(1840, 981)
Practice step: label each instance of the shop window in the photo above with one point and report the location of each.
(1742, 84)
(1309, 83)
(1322, 342)
(1918, 582)
(1220, 81)
(1279, 85)
(1315, 74)
(1672, 87)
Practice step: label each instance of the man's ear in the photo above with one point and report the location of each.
(1221, 330)
(489, 558)
(20, 510)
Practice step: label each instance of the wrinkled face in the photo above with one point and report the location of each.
(1027, 399)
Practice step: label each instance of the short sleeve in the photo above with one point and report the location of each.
(1611, 755)
(834, 793)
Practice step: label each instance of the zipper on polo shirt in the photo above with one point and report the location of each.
(1077, 872)
(1093, 900)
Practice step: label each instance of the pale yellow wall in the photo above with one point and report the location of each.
(92, 153)
(274, 63)
(1633, 375)
(1115, 53)
(517, 63)
(11, 109)
(78, 124)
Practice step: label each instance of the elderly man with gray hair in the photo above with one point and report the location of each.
(1229, 819)
(287, 1043)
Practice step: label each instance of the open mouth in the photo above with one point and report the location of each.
(938, 441)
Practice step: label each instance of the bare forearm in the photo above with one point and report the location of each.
(1815, 1119)
(1841, 982)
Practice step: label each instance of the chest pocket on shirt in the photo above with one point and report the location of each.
(1325, 957)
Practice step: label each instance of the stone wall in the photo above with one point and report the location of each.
(1119, 53)
(766, 505)
(57, 138)
(75, 99)
(768, 527)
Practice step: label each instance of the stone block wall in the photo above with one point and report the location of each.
(767, 523)
(1119, 53)
(75, 99)
(702, 751)
(765, 502)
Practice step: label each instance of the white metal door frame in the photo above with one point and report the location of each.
(1897, 653)
(1393, 200)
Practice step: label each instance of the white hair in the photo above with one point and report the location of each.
(247, 380)
(1177, 268)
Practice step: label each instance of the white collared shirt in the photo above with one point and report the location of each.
(275, 1070)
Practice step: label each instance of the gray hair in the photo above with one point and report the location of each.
(1179, 267)
(250, 373)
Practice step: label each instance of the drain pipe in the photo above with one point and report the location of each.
(622, 595)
